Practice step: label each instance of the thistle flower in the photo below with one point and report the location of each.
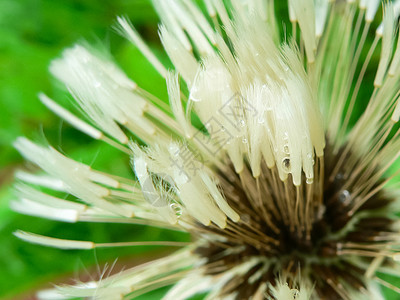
(286, 190)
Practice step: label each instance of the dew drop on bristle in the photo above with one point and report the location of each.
(176, 209)
(286, 149)
(339, 176)
(286, 164)
(344, 196)
(193, 94)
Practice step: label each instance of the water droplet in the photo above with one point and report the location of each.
(344, 196)
(339, 176)
(286, 136)
(223, 128)
(242, 123)
(193, 94)
(194, 99)
(176, 209)
(286, 149)
(286, 164)
(309, 180)
(311, 158)
(244, 141)
(261, 120)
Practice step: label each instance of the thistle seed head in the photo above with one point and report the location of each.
(287, 189)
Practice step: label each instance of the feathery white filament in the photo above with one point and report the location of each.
(183, 19)
(321, 12)
(197, 194)
(84, 245)
(52, 242)
(174, 95)
(32, 208)
(387, 44)
(71, 118)
(266, 107)
(282, 291)
(305, 14)
(372, 8)
(395, 64)
(224, 94)
(75, 176)
(189, 286)
(41, 180)
(127, 30)
(25, 191)
(104, 93)
(128, 281)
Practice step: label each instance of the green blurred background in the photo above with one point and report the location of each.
(32, 33)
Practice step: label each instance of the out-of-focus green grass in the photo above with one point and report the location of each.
(32, 33)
